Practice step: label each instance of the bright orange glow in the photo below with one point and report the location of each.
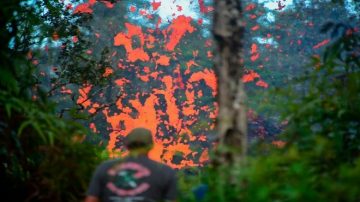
(146, 118)
(189, 64)
(121, 82)
(163, 60)
(132, 8)
(155, 86)
(279, 143)
(65, 90)
(83, 96)
(83, 8)
(254, 28)
(108, 72)
(177, 30)
(262, 83)
(250, 77)
(204, 156)
(208, 76)
(323, 43)
(93, 127)
(250, 7)
(254, 52)
(171, 109)
(108, 4)
(155, 5)
(122, 39)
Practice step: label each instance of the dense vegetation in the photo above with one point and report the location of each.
(319, 160)
(45, 158)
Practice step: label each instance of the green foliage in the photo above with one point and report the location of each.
(329, 108)
(43, 157)
(320, 161)
(282, 175)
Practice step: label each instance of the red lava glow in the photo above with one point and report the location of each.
(108, 4)
(108, 72)
(146, 113)
(250, 77)
(156, 78)
(87, 7)
(75, 39)
(159, 86)
(177, 30)
(146, 118)
(93, 127)
(254, 52)
(323, 43)
(179, 8)
(208, 76)
(133, 53)
(189, 64)
(163, 60)
(250, 7)
(65, 90)
(83, 8)
(254, 28)
(162, 86)
(155, 5)
(83, 98)
(203, 8)
(262, 84)
(278, 143)
(132, 8)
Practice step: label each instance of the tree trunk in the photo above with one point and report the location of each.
(228, 30)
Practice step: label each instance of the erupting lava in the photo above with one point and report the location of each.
(159, 77)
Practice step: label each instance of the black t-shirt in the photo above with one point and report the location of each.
(133, 179)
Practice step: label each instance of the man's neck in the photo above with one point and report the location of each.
(138, 152)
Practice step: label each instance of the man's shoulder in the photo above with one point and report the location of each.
(142, 160)
(108, 163)
(163, 167)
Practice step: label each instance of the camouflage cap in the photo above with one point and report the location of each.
(139, 137)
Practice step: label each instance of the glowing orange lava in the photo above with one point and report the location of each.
(155, 87)
(122, 39)
(177, 30)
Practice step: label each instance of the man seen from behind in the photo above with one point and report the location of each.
(135, 178)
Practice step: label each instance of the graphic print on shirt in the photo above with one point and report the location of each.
(125, 179)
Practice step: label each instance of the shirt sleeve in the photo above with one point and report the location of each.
(171, 187)
(96, 183)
